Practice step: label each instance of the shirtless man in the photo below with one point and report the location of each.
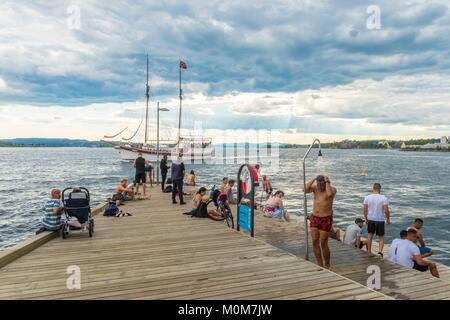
(123, 193)
(321, 219)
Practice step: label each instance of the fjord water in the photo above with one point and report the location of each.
(416, 183)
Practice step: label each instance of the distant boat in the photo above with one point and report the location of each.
(192, 148)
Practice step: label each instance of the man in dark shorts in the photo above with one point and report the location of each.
(139, 178)
(408, 255)
(321, 220)
(376, 209)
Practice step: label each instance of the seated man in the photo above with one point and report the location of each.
(394, 244)
(274, 207)
(353, 234)
(408, 255)
(53, 209)
(424, 250)
(123, 192)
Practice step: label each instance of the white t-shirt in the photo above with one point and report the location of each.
(353, 231)
(393, 250)
(405, 251)
(376, 203)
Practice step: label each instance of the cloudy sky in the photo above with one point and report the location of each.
(306, 68)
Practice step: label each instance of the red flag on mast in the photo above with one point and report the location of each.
(183, 65)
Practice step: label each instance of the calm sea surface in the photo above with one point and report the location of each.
(417, 185)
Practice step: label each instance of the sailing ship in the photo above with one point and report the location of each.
(192, 148)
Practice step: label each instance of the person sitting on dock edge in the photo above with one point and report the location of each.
(353, 234)
(408, 255)
(274, 207)
(53, 209)
(123, 192)
(321, 219)
(190, 179)
(140, 178)
(424, 250)
(394, 244)
(376, 209)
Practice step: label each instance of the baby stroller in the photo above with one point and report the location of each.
(77, 211)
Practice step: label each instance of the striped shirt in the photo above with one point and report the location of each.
(51, 221)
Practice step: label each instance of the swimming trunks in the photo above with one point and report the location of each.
(274, 212)
(321, 223)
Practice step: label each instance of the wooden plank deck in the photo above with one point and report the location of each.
(396, 281)
(160, 254)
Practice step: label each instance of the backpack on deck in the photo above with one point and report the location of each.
(202, 211)
(168, 189)
(111, 209)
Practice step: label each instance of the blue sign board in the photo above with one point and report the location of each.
(245, 218)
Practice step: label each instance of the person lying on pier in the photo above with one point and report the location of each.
(394, 244)
(408, 255)
(190, 178)
(353, 234)
(53, 209)
(424, 250)
(123, 192)
(274, 207)
(199, 197)
(321, 220)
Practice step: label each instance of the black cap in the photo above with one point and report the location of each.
(358, 220)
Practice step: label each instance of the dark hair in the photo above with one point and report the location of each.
(412, 231)
(320, 178)
(257, 166)
(231, 181)
(419, 220)
(279, 192)
(192, 172)
(223, 179)
(403, 234)
(377, 186)
(202, 189)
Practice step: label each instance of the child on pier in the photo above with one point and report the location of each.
(274, 207)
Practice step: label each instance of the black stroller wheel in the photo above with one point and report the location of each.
(91, 228)
(64, 233)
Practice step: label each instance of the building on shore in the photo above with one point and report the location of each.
(442, 145)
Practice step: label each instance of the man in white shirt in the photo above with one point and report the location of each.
(408, 255)
(353, 234)
(376, 209)
(394, 244)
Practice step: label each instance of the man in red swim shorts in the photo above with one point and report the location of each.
(321, 219)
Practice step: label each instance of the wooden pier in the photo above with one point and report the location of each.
(397, 281)
(158, 253)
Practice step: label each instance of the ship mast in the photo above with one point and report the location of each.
(147, 96)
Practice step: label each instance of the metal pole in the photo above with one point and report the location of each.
(157, 143)
(305, 206)
(147, 95)
(179, 115)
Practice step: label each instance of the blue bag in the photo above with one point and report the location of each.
(111, 210)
